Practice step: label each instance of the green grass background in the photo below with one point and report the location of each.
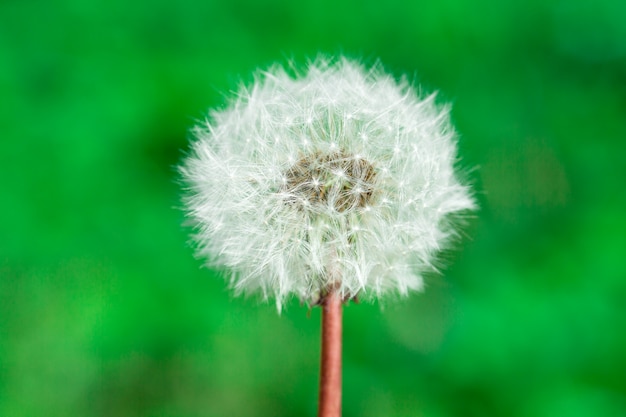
(105, 312)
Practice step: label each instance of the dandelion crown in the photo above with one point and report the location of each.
(341, 179)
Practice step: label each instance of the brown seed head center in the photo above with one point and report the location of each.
(337, 180)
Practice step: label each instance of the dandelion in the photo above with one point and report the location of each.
(333, 184)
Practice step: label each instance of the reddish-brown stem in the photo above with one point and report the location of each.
(330, 376)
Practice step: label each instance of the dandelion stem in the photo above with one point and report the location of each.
(330, 372)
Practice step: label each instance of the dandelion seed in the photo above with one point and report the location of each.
(280, 182)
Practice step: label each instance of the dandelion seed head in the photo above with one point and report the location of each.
(340, 177)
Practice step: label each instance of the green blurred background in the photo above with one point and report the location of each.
(105, 312)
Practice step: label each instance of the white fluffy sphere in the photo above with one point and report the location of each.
(341, 179)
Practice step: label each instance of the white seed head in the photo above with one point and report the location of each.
(341, 178)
